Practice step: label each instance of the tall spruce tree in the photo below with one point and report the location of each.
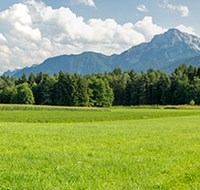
(82, 97)
(163, 87)
(63, 90)
(47, 87)
(31, 79)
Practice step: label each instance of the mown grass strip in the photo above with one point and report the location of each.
(158, 107)
(90, 116)
(14, 107)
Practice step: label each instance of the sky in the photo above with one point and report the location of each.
(34, 30)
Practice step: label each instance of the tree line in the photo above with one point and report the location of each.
(104, 89)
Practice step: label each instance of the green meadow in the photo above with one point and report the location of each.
(116, 148)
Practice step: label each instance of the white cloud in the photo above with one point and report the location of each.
(2, 38)
(183, 9)
(33, 32)
(86, 2)
(26, 30)
(147, 28)
(17, 13)
(189, 29)
(142, 8)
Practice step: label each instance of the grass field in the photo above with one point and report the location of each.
(160, 153)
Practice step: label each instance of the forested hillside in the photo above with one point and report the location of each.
(102, 90)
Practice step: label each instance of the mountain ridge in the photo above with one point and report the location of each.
(162, 52)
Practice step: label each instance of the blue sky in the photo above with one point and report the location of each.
(33, 30)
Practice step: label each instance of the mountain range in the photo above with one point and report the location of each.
(165, 52)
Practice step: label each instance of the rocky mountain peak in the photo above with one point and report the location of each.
(174, 36)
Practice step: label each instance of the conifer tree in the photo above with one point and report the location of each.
(23, 78)
(47, 85)
(31, 79)
(63, 90)
(82, 92)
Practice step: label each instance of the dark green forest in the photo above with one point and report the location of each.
(104, 89)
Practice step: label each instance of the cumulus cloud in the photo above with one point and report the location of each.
(189, 29)
(147, 28)
(2, 38)
(142, 8)
(86, 2)
(33, 32)
(183, 9)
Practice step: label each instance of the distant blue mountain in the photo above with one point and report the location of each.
(165, 52)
